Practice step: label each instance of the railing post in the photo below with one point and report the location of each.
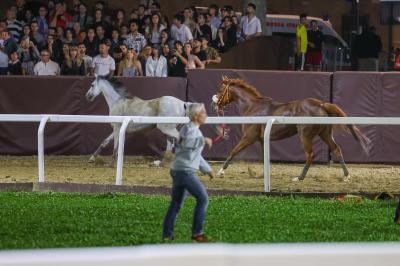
(42, 125)
(120, 154)
(267, 134)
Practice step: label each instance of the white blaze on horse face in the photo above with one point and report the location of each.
(215, 99)
(94, 91)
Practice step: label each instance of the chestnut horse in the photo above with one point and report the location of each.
(252, 103)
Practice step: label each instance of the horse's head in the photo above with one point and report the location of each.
(224, 96)
(95, 89)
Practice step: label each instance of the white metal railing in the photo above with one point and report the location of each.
(332, 254)
(126, 120)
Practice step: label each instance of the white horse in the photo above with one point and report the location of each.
(119, 103)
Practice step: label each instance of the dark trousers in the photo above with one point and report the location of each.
(3, 71)
(397, 214)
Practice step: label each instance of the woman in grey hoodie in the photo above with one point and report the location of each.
(188, 160)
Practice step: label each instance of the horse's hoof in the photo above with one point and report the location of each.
(221, 173)
(297, 179)
(346, 178)
(158, 163)
(92, 159)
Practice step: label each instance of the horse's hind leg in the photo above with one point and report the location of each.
(104, 144)
(115, 150)
(308, 149)
(335, 149)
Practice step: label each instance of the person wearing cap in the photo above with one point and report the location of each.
(103, 64)
(156, 65)
(188, 160)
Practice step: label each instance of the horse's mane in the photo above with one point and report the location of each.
(118, 86)
(245, 86)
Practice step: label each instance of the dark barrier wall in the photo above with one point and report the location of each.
(66, 95)
(359, 94)
(369, 94)
(282, 86)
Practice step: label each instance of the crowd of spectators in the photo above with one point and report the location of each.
(56, 39)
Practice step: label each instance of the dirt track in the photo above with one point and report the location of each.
(139, 171)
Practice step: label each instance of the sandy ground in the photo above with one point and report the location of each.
(140, 171)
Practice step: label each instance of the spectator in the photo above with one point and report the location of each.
(236, 24)
(397, 60)
(70, 37)
(20, 9)
(165, 39)
(124, 49)
(193, 61)
(135, 39)
(119, 19)
(103, 64)
(26, 33)
(116, 41)
(91, 43)
(144, 55)
(51, 8)
(156, 65)
(14, 26)
(118, 56)
(60, 33)
(76, 27)
(3, 61)
(8, 42)
(225, 11)
(178, 61)
(154, 7)
(42, 21)
(153, 32)
(105, 12)
(100, 33)
(179, 31)
(14, 65)
(214, 20)
(61, 18)
(250, 24)
(367, 47)
(46, 67)
(73, 64)
(202, 29)
(227, 35)
(197, 51)
(86, 59)
(130, 66)
(302, 42)
(141, 17)
(54, 47)
(315, 39)
(75, 7)
(28, 54)
(166, 52)
(99, 20)
(37, 36)
(3, 26)
(124, 32)
(211, 53)
(28, 17)
(189, 22)
(83, 18)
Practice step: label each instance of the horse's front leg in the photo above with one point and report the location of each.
(243, 143)
(116, 142)
(104, 144)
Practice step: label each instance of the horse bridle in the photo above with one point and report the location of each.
(225, 96)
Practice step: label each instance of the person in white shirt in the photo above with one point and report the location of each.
(103, 64)
(135, 40)
(250, 24)
(46, 67)
(179, 31)
(156, 65)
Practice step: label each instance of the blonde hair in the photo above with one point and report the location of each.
(68, 58)
(125, 61)
(194, 109)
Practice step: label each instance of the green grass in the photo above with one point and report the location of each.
(45, 220)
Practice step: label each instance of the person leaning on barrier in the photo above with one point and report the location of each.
(188, 160)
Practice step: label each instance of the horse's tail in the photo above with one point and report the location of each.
(335, 111)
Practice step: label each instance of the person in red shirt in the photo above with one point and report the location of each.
(61, 18)
(397, 60)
